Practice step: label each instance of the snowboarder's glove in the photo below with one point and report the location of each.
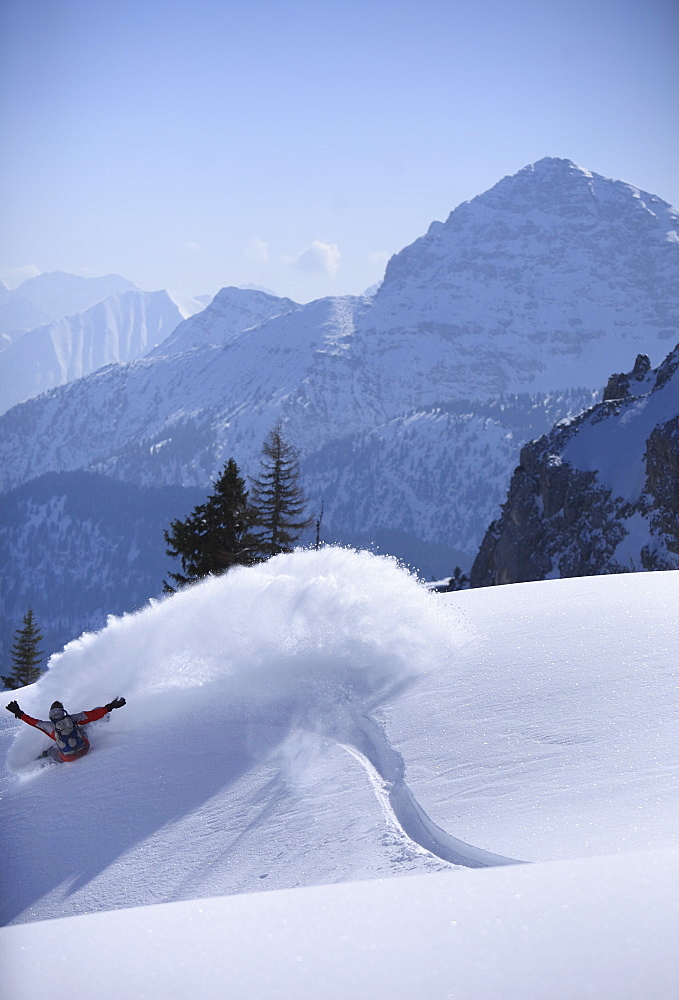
(13, 707)
(116, 703)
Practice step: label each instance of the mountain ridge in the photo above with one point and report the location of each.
(62, 293)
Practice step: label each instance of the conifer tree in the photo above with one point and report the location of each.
(26, 657)
(277, 497)
(216, 535)
(459, 580)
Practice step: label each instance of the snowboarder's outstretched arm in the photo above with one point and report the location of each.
(46, 727)
(82, 718)
(13, 707)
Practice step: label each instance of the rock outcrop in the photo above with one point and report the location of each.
(600, 493)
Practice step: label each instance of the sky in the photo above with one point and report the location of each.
(297, 145)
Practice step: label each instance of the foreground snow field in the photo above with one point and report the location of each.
(324, 719)
(598, 927)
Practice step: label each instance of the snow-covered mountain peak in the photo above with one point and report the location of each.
(557, 198)
(539, 276)
(545, 182)
(231, 312)
(564, 189)
(231, 294)
(554, 170)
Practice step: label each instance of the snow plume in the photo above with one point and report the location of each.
(296, 641)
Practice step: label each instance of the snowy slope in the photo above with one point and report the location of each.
(122, 327)
(603, 927)
(323, 719)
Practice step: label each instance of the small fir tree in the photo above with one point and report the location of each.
(26, 657)
(277, 496)
(459, 580)
(216, 535)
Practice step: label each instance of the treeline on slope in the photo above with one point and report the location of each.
(236, 527)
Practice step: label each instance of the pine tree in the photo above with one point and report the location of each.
(216, 535)
(277, 496)
(26, 657)
(458, 581)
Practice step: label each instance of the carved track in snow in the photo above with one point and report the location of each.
(368, 743)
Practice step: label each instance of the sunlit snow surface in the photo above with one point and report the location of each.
(323, 719)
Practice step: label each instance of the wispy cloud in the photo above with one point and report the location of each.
(192, 246)
(257, 249)
(318, 258)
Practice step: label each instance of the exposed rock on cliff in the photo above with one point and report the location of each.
(598, 494)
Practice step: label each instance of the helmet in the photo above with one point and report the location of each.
(57, 711)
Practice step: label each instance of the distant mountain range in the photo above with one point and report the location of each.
(409, 407)
(51, 296)
(119, 328)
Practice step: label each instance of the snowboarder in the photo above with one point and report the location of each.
(65, 729)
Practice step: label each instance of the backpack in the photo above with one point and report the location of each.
(68, 736)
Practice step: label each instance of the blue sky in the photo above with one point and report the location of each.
(297, 145)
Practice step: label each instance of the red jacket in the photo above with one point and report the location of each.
(80, 719)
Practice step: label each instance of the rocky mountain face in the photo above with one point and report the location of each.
(408, 407)
(599, 493)
(554, 277)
